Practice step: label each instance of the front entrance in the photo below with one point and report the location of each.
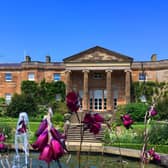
(97, 100)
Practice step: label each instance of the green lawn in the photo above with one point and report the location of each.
(10, 124)
(126, 138)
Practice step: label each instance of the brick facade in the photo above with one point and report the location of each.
(114, 71)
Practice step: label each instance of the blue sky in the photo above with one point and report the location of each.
(61, 28)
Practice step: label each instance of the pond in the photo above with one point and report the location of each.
(87, 161)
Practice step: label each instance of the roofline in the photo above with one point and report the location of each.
(90, 49)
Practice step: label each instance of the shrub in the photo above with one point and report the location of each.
(136, 110)
(158, 134)
(22, 103)
(162, 108)
(57, 117)
(7, 130)
(58, 107)
(3, 107)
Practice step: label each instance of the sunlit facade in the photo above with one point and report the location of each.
(102, 77)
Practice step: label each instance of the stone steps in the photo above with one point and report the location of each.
(74, 135)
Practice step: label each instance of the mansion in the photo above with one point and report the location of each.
(101, 77)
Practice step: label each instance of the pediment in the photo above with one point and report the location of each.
(97, 54)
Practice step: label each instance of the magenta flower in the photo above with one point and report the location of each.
(46, 154)
(41, 141)
(56, 135)
(151, 152)
(22, 127)
(72, 101)
(88, 119)
(59, 137)
(154, 156)
(152, 111)
(98, 118)
(93, 122)
(43, 125)
(127, 121)
(95, 128)
(57, 149)
(2, 147)
(2, 137)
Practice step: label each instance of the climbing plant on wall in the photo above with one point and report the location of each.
(147, 88)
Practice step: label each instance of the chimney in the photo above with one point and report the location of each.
(28, 59)
(154, 57)
(48, 59)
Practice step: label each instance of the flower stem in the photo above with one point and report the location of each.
(58, 163)
(146, 122)
(80, 146)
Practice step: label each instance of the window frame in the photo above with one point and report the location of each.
(8, 97)
(97, 75)
(30, 77)
(8, 78)
(55, 77)
(142, 76)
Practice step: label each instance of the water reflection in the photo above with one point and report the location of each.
(87, 161)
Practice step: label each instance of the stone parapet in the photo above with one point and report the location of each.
(150, 65)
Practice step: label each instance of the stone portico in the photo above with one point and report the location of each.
(101, 77)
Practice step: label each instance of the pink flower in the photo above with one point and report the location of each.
(156, 157)
(41, 141)
(98, 118)
(153, 155)
(22, 128)
(151, 152)
(57, 149)
(93, 122)
(152, 111)
(46, 154)
(88, 119)
(95, 128)
(55, 134)
(43, 125)
(72, 101)
(2, 146)
(127, 121)
(127, 117)
(59, 137)
(2, 137)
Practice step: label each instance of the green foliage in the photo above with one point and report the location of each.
(162, 109)
(158, 134)
(58, 107)
(22, 103)
(2, 100)
(29, 88)
(122, 135)
(44, 92)
(57, 117)
(136, 110)
(2, 107)
(6, 129)
(47, 91)
(145, 88)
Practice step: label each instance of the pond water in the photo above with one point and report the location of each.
(87, 161)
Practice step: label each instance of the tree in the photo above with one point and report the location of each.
(22, 103)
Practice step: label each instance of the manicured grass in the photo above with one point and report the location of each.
(124, 142)
(12, 122)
